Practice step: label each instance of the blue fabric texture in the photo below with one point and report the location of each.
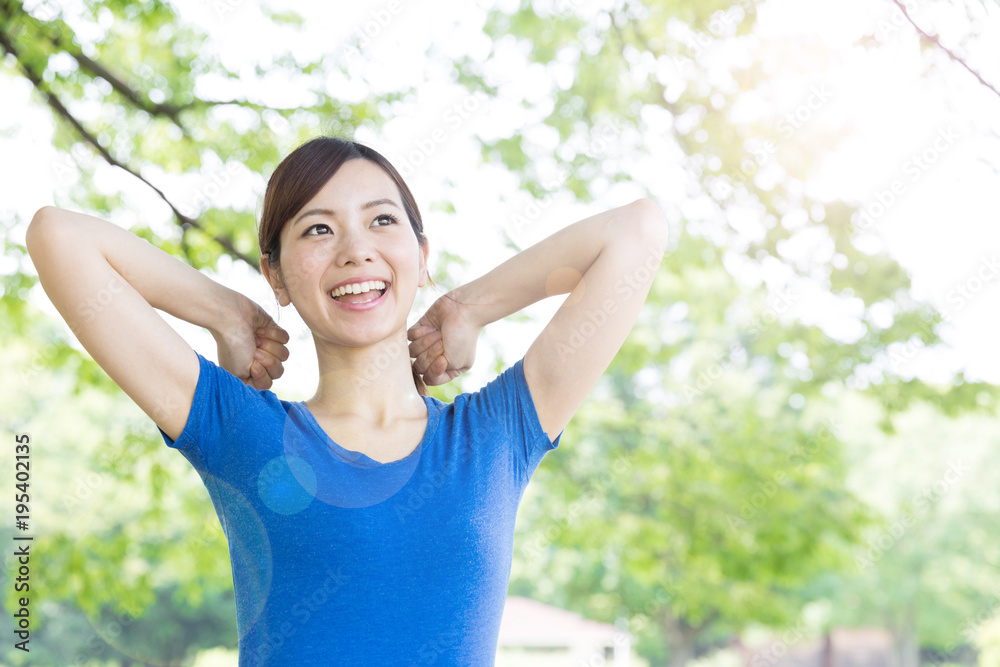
(338, 559)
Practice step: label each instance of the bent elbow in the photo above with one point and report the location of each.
(652, 222)
(42, 224)
(36, 228)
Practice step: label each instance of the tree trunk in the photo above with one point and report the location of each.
(680, 637)
(906, 640)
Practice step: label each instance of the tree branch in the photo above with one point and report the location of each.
(97, 69)
(7, 43)
(59, 40)
(934, 40)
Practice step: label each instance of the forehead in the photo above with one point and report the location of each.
(357, 183)
(358, 180)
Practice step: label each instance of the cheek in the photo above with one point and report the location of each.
(303, 266)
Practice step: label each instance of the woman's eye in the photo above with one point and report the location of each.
(389, 218)
(386, 216)
(314, 227)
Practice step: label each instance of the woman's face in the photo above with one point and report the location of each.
(336, 237)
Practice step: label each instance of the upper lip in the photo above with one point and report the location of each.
(360, 279)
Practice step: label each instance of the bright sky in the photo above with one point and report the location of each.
(941, 222)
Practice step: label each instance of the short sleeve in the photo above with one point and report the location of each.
(219, 398)
(507, 400)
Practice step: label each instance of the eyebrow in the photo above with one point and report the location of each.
(332, 214)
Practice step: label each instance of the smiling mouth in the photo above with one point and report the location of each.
(367, 297)
(361, 298)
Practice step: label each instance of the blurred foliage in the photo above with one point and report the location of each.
(704, 487)
(718, 393)
(989, 643)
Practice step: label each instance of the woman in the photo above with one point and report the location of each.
(371, 524)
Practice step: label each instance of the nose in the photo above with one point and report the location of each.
(355, 246)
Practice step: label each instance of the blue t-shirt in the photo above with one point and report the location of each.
(339, 559)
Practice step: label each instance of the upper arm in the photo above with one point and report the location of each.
(121, 331)
(505, 404)
(574, 349)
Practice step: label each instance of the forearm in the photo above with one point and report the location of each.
(554, 265)
(164, 281)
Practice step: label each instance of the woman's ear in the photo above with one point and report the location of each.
(273, 276)
(423, 263)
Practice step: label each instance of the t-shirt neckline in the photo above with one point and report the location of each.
(360, 459)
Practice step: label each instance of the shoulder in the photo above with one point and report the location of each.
(495, 393)
(217, 385)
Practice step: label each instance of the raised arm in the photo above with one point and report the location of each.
(106, 282)
(606, 263)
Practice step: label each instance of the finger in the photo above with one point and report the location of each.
(273, 348)
(266, 380)
(423, 343)
(262, 381)
(255, 371)
(436, 366)
(274, 332)
(436, 375)
(422, 352)
(270, 363)
(423, 361)
(274, 369)
(420, 328)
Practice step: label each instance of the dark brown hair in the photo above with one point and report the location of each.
(302, 174)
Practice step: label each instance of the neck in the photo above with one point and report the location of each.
(373, 384)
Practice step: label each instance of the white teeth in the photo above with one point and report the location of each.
(358, 288)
